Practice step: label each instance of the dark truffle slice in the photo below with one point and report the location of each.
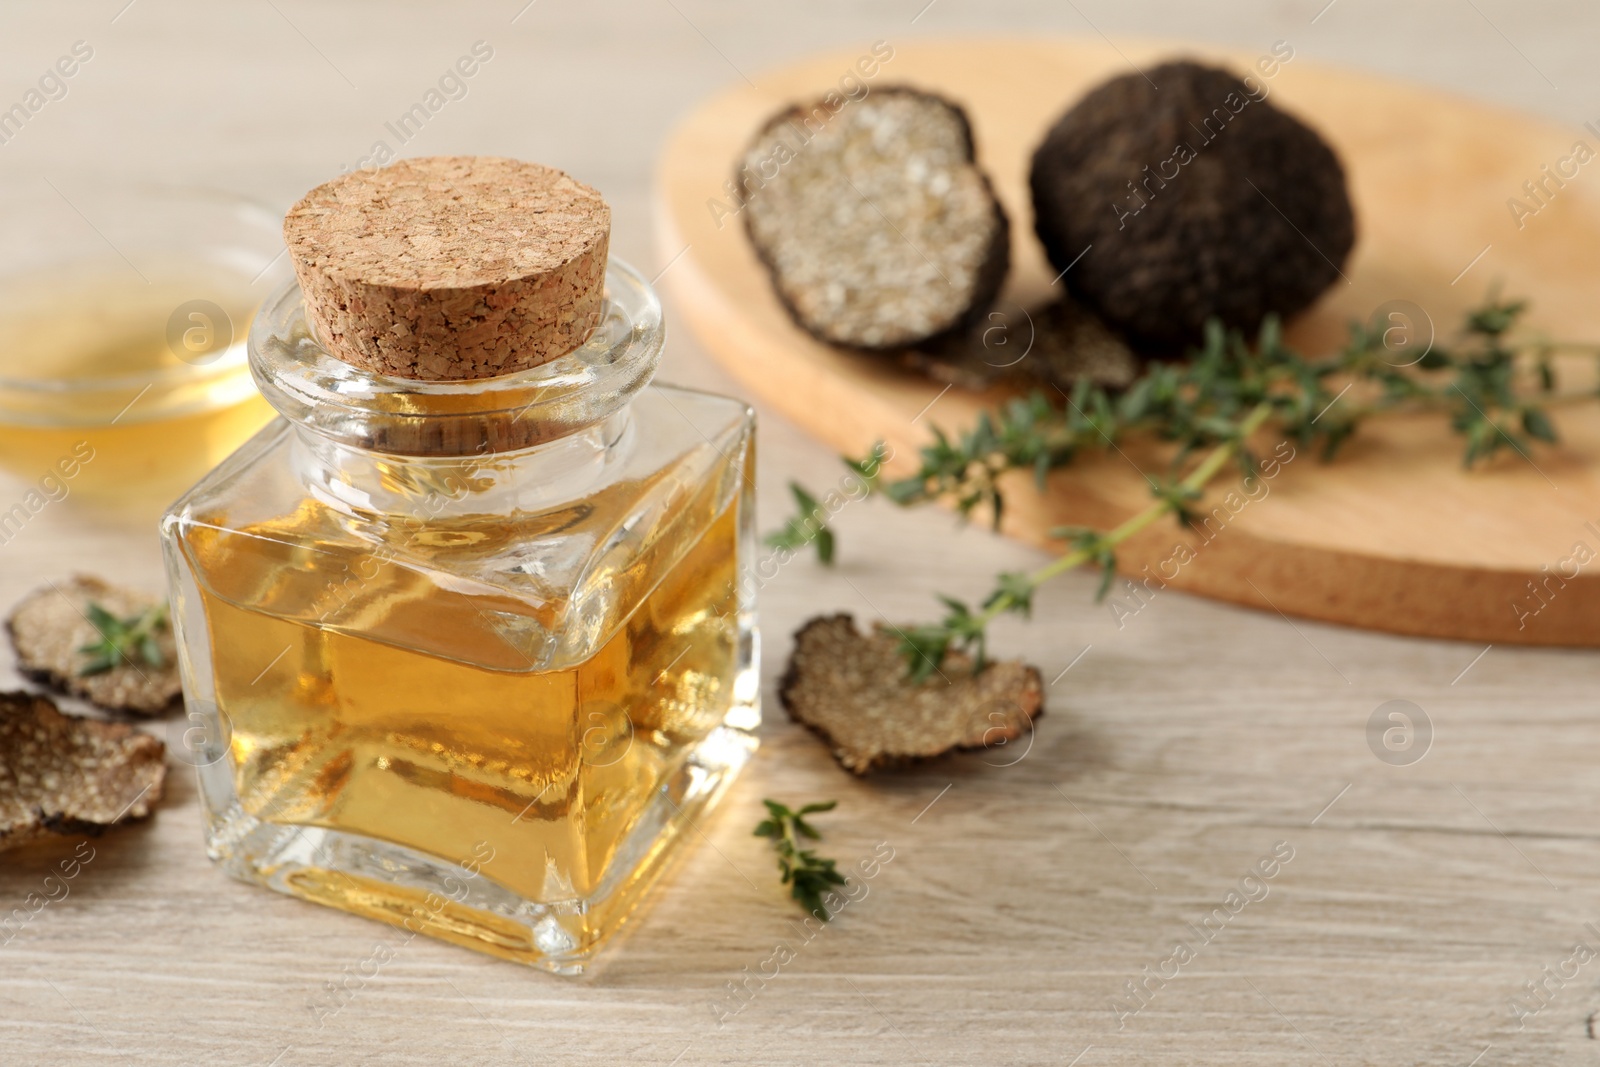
(878, 228)
(1196, 200)
(1056, 344)
(1072, 342)
(852, 690)
(50, 627)
(61, 774)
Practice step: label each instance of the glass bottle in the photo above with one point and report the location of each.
(470, 657)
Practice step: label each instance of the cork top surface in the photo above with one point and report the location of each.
(451, 268)
(443, 222)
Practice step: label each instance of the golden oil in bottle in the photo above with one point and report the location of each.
(332, 726)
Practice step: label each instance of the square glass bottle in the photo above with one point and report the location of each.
(471, 657)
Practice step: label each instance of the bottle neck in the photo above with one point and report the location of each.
(368, 484)
(362, 426)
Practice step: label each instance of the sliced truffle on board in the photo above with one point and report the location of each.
(853, 691)
(875, 222)
(50, 627)
(65, 775)
(1056, 344)
(1197, 199)
(1072, 342)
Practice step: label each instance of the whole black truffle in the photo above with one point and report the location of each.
(1199, 199)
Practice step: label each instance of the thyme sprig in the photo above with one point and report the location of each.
(962, 629)
(121, 639)
(1212, 406)
(808, 527)
(808, 875)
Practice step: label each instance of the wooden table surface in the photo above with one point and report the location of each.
(1029, 885)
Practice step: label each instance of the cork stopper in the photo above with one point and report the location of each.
(450, 268)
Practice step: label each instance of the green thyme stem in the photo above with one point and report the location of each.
(1197, 479)
(808, 875)
(924, 647)
(1567, 346)
(1427, 404)
(119, 640)
(1228, 390)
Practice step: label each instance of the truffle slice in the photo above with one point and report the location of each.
(60, 774)
(1053, 345)
(1072, 342)
(1201, 199)
(852, 690)
(879, 229)
(51, 627)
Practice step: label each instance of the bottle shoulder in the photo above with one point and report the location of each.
(504, 563)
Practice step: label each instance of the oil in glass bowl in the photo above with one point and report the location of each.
(122, 340)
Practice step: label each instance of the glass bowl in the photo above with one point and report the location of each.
(124, 311)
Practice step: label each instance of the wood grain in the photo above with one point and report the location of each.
(1183, 744)
(1394, 535)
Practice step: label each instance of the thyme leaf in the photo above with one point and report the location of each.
(121, 640)
(808, 875)
(808, 527)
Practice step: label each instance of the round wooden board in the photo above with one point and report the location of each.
(1393, 535)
